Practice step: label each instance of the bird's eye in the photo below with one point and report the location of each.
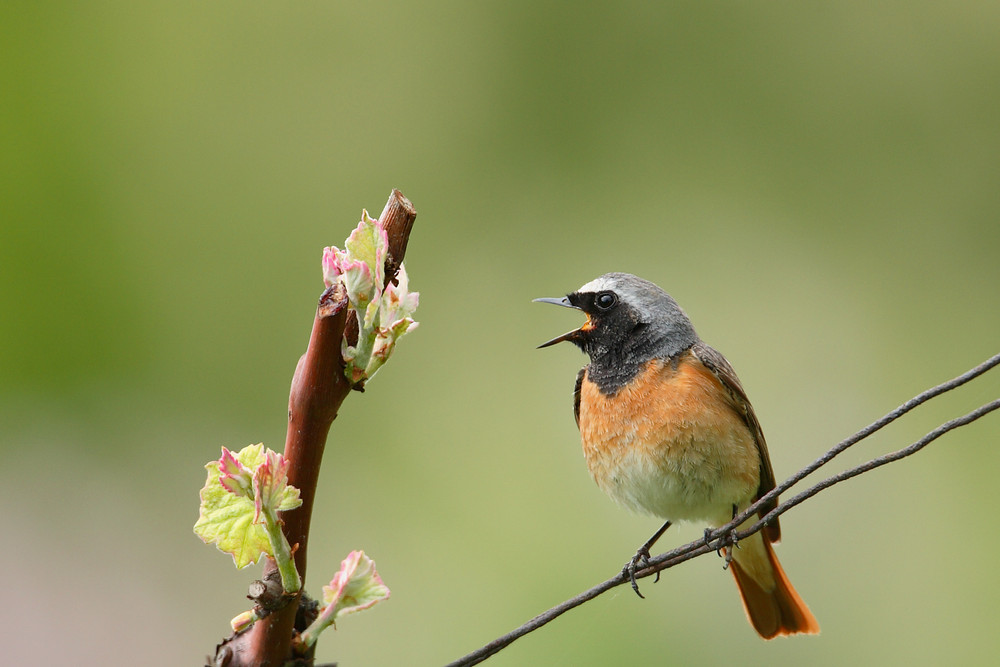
(605, 300)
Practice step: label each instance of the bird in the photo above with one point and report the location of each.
(667, 430)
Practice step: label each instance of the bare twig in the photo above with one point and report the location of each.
(702, 545)
(318, 389)
(890, 417)
(876, 462)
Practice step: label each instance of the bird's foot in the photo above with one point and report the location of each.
(639, 561)
(724, 545)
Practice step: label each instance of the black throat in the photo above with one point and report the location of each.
(610, 378)
(612, 368)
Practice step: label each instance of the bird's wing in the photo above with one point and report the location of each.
(718, 364)
(576, 394)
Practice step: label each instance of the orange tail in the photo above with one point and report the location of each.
(772, 605)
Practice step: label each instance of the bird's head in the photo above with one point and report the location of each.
(629, 320)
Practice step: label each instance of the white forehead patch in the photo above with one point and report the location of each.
(598, 285)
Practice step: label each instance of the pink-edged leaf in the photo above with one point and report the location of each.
(233, 475)
(357, 586)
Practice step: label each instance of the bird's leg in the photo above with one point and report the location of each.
(730, 542)
(641, 559)
(726, 543)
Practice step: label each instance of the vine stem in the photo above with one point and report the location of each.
(318, 389)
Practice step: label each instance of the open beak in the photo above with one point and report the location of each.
(569, 335)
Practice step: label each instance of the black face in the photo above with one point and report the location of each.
(610, 322)
(603, 302)
(605, 319)
(594, 303)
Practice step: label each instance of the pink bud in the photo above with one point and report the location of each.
(233, 475)
(269, 482)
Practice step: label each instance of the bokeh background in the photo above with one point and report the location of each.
(817, 184)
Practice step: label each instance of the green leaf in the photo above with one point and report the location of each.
(383, 315)
(227, 520)
(356, 587)
(368, 243)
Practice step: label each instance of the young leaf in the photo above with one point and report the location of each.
(383, 315)
(228, 515)
(357, 586)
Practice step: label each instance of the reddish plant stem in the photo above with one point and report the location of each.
(318, 389)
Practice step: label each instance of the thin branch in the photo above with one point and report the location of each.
(318, 389)
(877, 462)
(890, 417)
(703, 546)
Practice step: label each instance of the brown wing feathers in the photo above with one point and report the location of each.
(718, 364)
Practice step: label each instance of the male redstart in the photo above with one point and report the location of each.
(668, 430)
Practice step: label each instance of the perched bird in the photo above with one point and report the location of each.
(668, 430)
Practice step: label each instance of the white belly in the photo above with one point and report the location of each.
(691, 488)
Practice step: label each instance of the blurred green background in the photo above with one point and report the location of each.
(818, 184)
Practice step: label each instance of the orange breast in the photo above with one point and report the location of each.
(670, 444)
